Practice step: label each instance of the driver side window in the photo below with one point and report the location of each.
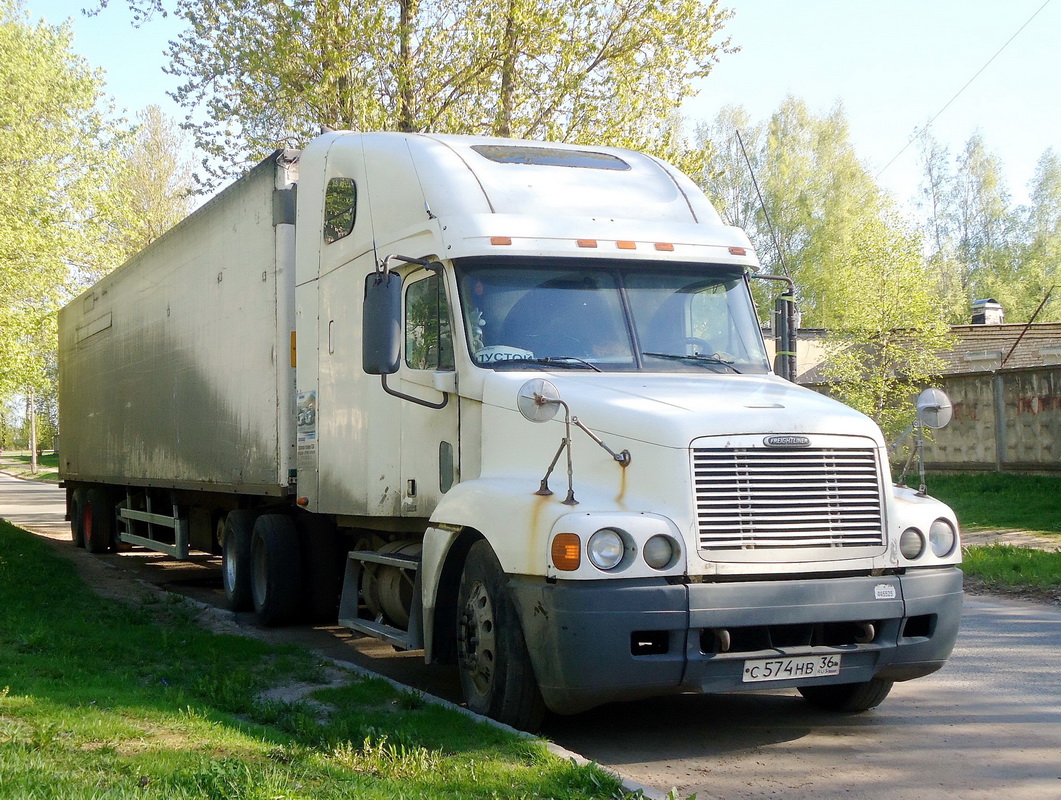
(428, 340)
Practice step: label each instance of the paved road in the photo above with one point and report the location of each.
(987, 726)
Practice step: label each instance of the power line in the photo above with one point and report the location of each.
(924, 130)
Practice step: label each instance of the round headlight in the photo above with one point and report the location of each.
(659, 552)
(911, 543)
(941, 538)
(605, 549)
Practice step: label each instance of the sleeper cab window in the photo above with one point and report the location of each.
(428, 344)
(340, 209)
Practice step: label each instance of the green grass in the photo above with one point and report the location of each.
(998, 500)
(992, 501)
(19, 464)
(101, 699)
(1012, 567)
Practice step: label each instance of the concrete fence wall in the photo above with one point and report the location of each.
(1007, 420)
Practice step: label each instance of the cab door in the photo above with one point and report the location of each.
(427, 384)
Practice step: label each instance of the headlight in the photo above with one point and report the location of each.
(911, 543)
(659, 552)
(942, 538)
(606, 549)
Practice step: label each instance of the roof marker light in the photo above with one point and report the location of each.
(626, 245)
(666, 247)
(587, 242)
(738, 251)
(500, 240)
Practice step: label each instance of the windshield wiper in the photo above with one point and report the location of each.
(696, 359)
(567, 362)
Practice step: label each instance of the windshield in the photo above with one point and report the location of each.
(610, 317)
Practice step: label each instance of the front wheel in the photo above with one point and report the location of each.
(495, 668)
(847, 697)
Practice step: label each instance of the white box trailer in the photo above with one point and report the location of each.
(508, 403)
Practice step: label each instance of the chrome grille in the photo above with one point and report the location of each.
(756, 498)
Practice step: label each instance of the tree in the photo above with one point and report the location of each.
(1040, 260)
(151, 188)
(53, 139)
(80, 194)
(858, 265)
(885, 340)
(272, 73)
(938, 201)
(984, 224)
(815, 191)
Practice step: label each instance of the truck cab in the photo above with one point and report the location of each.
(565, 398)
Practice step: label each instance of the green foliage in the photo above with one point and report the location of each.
(982, 246)
(150, 190)
(271, 74)
(50, 136)
(858, 266)
(80, 195)
(889, 328)
(816, 194)
(103, 699)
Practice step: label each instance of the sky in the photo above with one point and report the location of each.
(893, 64)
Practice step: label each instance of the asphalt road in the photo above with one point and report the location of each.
(986, 726)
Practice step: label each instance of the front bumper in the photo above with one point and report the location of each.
(594, 642)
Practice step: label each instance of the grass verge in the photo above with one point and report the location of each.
(103, 699)
(1009, 566)
(19, 465)
(999, 500)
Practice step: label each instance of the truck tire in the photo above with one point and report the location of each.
(276, 570)
(850, 698)
(78, 498)
(236, 559)
(97, 521)
(323, 563)
(496, 674)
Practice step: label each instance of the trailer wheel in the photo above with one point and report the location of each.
(97, 522)
(276, 570)
(495, 668)
(851, 698)
(236, 559)
(77, 506)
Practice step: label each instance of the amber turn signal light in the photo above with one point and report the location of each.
(566, 552)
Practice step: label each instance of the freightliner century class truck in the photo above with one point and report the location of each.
(507, 403)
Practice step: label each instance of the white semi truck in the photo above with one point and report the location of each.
(509, 403)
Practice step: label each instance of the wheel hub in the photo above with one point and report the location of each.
(477, 638)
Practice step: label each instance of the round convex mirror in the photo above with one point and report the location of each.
(934, 408)
(538, 400)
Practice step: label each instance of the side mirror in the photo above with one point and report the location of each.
(381, 324)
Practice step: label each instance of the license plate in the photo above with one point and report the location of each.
(791, 668)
